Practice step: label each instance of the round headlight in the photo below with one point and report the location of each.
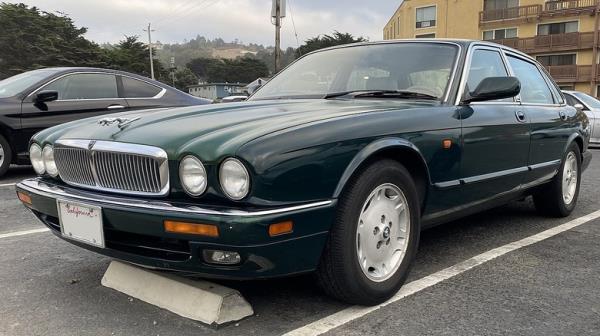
(35, 156)
(235, 180)
(48, 157)
(192, 176)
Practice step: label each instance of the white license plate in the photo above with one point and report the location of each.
(81, 222)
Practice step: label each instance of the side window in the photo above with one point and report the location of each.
(485, 63)
(534, 89)
(85, 86)
(570, 100)
(138, 89)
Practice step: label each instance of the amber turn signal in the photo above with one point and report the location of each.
(24, 198)
(191, 228)
(447, 143)
(281, 228)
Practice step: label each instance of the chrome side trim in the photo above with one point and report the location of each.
(38, 187)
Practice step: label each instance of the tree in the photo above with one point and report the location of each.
(184, 78)
(132, 55)
(326, 41)
(240, 70)
(32, 39)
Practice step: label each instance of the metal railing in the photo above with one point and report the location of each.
(550, 43)
(570, 73)
(568, 4)
(520, 12)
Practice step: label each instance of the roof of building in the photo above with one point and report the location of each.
(217, 84)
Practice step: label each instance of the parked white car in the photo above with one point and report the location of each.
(591, 107)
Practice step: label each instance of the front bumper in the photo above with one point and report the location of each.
(134, 232)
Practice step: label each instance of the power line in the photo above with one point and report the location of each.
(293, 23)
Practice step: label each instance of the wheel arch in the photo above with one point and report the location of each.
(400, 150)
(578, 139)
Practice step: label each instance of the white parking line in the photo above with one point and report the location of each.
(352, 313)
(22, 233)
(7, 185)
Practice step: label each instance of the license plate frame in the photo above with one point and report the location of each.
(81, 222)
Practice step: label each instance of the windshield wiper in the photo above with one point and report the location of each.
(381, 94)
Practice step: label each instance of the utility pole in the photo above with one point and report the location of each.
(149, 30)
(277, 35)
(277, 13)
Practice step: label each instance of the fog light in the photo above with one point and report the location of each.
(222, 257)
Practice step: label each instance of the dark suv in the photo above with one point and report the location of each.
(38, 99)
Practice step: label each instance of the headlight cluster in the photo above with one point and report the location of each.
(233, 177)
(43, 160)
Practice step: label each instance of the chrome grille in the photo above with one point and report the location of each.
(113, 166)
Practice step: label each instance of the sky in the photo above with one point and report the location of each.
(246, 20)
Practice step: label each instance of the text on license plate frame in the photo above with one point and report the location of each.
(84, 223)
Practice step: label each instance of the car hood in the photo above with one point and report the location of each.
(215, 130)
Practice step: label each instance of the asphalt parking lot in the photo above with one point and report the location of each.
(551, 287)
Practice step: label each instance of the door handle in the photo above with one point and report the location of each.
(520, 116)
(115, 107)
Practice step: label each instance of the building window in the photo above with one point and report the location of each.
(499, 4)
(499, 34)
(553, 60)
(426, 17)
(432, 35)
(558, 28)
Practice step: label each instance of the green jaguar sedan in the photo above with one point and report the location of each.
(333, 167)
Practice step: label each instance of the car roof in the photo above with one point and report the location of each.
(66, 70)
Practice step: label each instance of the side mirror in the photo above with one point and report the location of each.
(579, 107)
(45, 96)
(493, 88)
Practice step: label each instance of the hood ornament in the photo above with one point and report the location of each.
(120, 121)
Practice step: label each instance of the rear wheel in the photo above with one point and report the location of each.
(559, 197)
(5, 156)
(374, 238)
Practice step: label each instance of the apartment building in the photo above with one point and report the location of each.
(561, 35)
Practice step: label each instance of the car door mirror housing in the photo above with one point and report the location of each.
(579, 107)
(46, 96)
(494, 88)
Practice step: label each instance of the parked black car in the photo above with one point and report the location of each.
(38, 99)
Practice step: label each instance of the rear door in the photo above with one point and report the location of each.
(547, 114)
(80, 95)
(495, 135)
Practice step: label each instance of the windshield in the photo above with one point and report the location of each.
(415, 67)
(588, 100)
(14, 85)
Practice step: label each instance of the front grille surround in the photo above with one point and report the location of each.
(113, 166)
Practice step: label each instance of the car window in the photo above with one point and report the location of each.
(14, 85)
(534, 89)
(418, 67)
(485, 63)
(134, 88)
(589, 100)
(85, 86)
(571, 100)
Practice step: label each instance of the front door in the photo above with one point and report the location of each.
(547, 114)
(80, 95)
(495, 136)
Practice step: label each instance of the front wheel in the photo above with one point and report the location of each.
(559, 197)
(374, 238)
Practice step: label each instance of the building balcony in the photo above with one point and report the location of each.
(550, 43)
(530, 13)
(570, 73)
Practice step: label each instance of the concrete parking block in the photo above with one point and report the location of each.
(194, 299)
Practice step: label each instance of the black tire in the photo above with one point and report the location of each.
(7, 158)
(339, 273)
(549, 199)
